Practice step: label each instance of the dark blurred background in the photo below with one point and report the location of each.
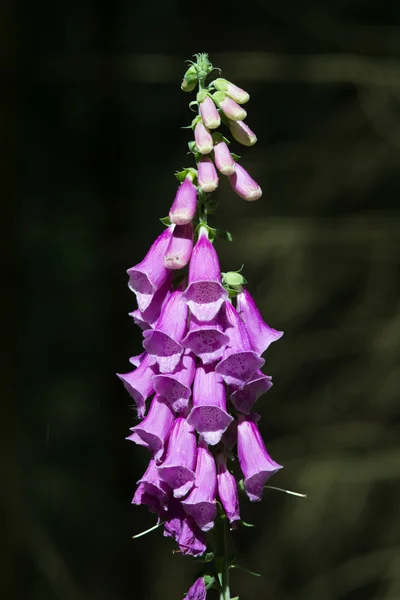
(91, 115)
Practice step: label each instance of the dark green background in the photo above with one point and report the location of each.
(91, 115)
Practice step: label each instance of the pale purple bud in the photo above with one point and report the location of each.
(175, 387)
(180, 462)
(201, 502)
(244, 185)
(148, 276)
(206, 339)
(180, 247)
(146, 319)
(183, 208)
(205, 293)
(227, 490)
(207, 175)
(208, 415)
(153, 431)
(235, 92)
(242, 133)
(152, 491)
(209, 113)
(164, 341)
(261, 335)
(244, 398)
(256, 464)
(240, 362)
(223, 158)
(229, 107)
(197, 591)
(139, 383)
(203, 139)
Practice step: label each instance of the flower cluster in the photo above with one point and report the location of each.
(199, 377)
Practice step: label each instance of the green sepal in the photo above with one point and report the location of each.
(235, 157)
(233, 278)
(222, 234)
(166, 221)
(241, 486)
(192, 146)
(202, 95)
(246, 524)
(181, 175)
(221, 84)
(189, 81)
(218, 137)
(195, 121)
(209, 581)
(245, 570)
(218, 97)
(193, 103)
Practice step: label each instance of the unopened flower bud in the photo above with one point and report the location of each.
(223, 158)
(203, 139)
(229, 107)
(207, 175)
(183, 208)
(236, 93)
(244, 185)
(180, 247)
(209, 113)
(242, 133)
(189, 81)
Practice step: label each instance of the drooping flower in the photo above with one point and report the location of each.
(229, 107)
(205, 293)
(256, 464)
(242, 133)
(223, 158)
(244, 185)
(154, 430)
(139, 383)
(191, 540)
(207, 175)
(197, 591)
(236, 93)
(183, 208)
(152, 491)
(209, 113)
(201, 502)
(261, 335)
(227, 489)
(208, 415)
(175, 386)
(148, 276)
(240, 362)
(206, 339)
(243, 399)
(147, 318)
(164, 341)
(203, 139)
(180, 247)
(180, 462)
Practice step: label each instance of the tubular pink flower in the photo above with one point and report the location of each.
(242, 133)
(208, 415)
(207, 175)
(206, 339)
(205, 293)
(261, 335)
(146, 319)
(139, 383)
(180, 247)
(183, 208)
(148, 276)
(197, 591)
(164, 341)
(184, 530)
(203, 139)
(227, 489)
(240, 362)
(175, 387)
(243, 399)
(256, 464)
(236, 93)
(223, 159)
(153, 431)
(180, 462)
(152, 491)
(244, 185)
(201, 502)
(209, 113)
(229, 107)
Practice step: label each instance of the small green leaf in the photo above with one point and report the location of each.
(218, 137)
(245, 570)
(223, 234)
(235, 157)
(246, 524)
(166, 221)
(209, 581)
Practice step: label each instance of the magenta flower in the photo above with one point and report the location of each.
(243, 399)
(191, 540)
(256, 464)
(147, 277)
(209, 113)
(139, 383)
(235, 92)
(227, 489)
(229, 107)
(261, 335)
(244, 185)
(152, 491)
(180, 462)
(164, 341)
(240, 362)
(201, 502)
(208, 415)
(180, 247)
(175, 387)
(203, 139)
(205, 293)
(146, 319)
(154, 430)
(206, 339)
(183, 208)
(242, 133)
(197, 591)
(223, 158)
(207, 175)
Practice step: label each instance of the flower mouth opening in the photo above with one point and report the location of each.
(139, 282)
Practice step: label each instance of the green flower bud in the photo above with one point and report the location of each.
(189, 81)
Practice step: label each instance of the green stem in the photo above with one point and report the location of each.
(221, 561)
